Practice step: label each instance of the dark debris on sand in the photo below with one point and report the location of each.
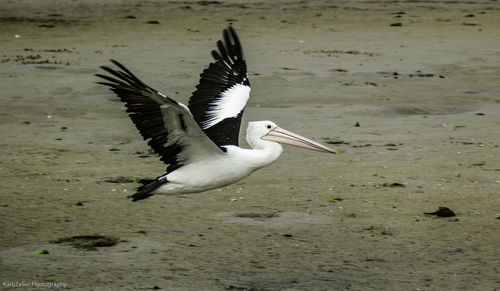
(442, 212)
(87, 242)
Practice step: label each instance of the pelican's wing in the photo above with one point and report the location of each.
(220, 98)
(168, 124)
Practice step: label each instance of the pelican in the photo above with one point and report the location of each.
(199, 142)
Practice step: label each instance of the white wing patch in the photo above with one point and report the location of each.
(179, 103)
(229, 104)
(185, 107)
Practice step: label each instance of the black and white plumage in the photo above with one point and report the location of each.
(220, 97)
(199, 142)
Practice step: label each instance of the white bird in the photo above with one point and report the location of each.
(199, 142)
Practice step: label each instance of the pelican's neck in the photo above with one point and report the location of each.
(267, 153)
(258, 156)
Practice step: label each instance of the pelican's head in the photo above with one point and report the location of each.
(261, 132)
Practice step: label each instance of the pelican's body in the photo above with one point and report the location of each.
(215, 172)
(225, 168)
(199, 142)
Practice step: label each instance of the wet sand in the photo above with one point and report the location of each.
(407, 92)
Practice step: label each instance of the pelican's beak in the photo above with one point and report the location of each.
(286, 137)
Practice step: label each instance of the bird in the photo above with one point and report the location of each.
(199, 142)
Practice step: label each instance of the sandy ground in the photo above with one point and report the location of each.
(421, 79)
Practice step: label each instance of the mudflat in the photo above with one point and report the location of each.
(407, 92)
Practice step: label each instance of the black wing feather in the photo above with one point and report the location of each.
(143, 106)
(228, 69)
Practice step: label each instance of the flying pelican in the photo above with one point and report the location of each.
(199, 142)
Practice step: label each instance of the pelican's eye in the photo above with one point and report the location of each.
(269, 126)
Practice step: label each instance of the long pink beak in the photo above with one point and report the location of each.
(286, 137)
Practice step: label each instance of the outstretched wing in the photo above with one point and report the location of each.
(167, 124)
(220, 98)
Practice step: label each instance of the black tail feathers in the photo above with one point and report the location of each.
(147, 187)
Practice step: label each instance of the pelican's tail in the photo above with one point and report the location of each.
(148, 186)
